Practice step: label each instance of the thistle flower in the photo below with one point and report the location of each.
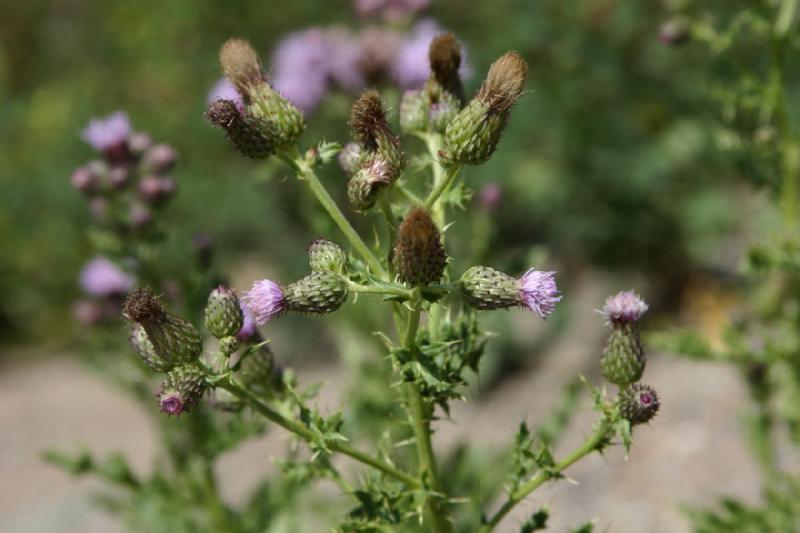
(350, 158)
(265, 300)
(242, 67)
(639, 403)
(419, 256)
(254, 137)
(317, 293)
(378, 49)
(472, 136)
(364, 186)
(248, 330)
(300, 68)
(444, 56)
(139, 142)
(155, 189)
(109, 133)
(101, 277)
(485, 288)
(223, 314)
(159, 159)
(623, 360)
(373, 133)
(410, 66)
(175, 340)
(182, 389)
(624, 307)
(83, 180)
(327, 256)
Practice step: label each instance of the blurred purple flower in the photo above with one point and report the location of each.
(390, 9)
(101, 277)
(624, 307)
(344, 60)
(248, 326)
(490, 195)
(539, 292)
(300, 68)
(107, 133)
(224, 90)
(410, 67)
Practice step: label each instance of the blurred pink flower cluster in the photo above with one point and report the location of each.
(307, 64)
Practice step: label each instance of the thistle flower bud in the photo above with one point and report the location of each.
(364, 186)
(253, 137)
(419, 256)
(242, 67)
(182, 389)
(327, 256)
(256, 370)
(141, 344)
(638, 404)
(350, 158)
(318, 293)
(445, 60)
(472, 136)
(223, 313)
(623, 359)
(174, 339)
(160, 158)
(265, 300)
(228, 345)
(486, 289)
(414, 109)
(372, 131)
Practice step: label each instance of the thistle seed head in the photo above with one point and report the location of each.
(419, 256)
(368, 119)
(241, 64)
(504, 83)
(143, 306)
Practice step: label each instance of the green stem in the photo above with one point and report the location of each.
(590, 445)
(306, 172)
(380, 288)
(306, 434)
(420, 423)
(443, 185)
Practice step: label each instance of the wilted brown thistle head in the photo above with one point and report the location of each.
(368, 119)
(445, 59)
(142, 306)
(504, 83)
(240, 64)
(419, 256)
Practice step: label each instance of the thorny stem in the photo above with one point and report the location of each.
(420, 422)
(593, 443)
(306, 172)
(303, 432)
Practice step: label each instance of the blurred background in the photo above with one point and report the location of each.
(614, 171)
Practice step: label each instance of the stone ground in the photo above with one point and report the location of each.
(693, 452)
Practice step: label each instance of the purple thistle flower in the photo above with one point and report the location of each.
(265, 300)
(172, 404)
(300, 64)
(224, 90)
(344, 60)
(624, 307)
(104, 134)
(410, 67)
(248, 325)
(101, 277)
(539, 292)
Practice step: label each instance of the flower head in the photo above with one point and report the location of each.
(248, 330)
(106, 133)
(639, 403)
(101, 277)
(265, 300)
(410, 68)
(624, 307)
(300, 64)
(539, 292)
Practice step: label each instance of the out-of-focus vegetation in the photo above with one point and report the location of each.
(609, 162)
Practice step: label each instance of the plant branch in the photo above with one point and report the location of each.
(593, 443)
(303, 432)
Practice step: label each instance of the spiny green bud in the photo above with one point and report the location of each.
(419, 256)
(174, 339)
(319, 292)
(414, 111)
(327, 256)
(372, 131)
(242, 67)
(228, 345)
(256, 370)
(443, 112)
(224, 317)
(364, 186)
(485, 288)
(638, 403)
(623, 359)
(253, 137)
(472, 136)
(182, 389)
(445, 60)
(142, 345)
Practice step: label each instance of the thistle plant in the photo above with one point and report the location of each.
(407, 182)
